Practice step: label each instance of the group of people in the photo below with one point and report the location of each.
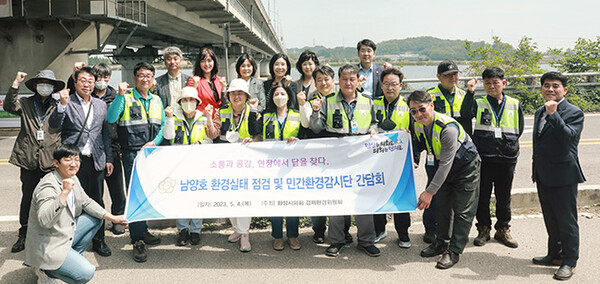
(74, 139)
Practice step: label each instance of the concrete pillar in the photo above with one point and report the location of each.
(263, 67)
(129, 58)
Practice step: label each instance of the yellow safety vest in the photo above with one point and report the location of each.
(400, 115)
(137, 126)
(185, 137)
(434, 143)
(337, 119)
(228, 122)
(271, 130)
(486, 123)
(441, 105)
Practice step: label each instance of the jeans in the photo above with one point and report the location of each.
(76, 268)
(195, 225)
(291, 227)
(136, 229)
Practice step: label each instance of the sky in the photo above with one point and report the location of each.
(331, 23)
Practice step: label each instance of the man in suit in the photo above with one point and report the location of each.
(62, 221)
(82, 120)
(170, 85)
(369, 85)
(556, 172)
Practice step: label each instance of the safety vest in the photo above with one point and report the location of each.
(466, 151)
(137, 126)
(182, 136)
(228, 122)
(400, 115)
(441, 105)
(271, 129)
(486, 124)
(337, 119)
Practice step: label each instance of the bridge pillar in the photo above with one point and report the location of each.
(129, 58)
(263, 68)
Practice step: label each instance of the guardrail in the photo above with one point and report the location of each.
(253, 25)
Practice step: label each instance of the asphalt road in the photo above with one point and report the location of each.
(214, 260)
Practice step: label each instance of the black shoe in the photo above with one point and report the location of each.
(429, 236)
(564, 272)
(449, 259)
(371, 250)
(139, 251)
(100, 247)
(348, 238)
(183, 238)
(433, 250)
(151, 239)
(334, 249)
(318, 240)
(194, 238)
(118, 229)
(19, 245)
(547, 260)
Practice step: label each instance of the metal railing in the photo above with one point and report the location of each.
(253, 25)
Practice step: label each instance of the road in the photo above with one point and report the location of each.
(217, 261)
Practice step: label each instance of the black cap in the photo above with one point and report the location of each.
(447, 66)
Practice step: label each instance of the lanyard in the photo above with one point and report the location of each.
(429, 139)
(282, 125)
(37, 114)
(237, 126)
(351, 109)
(499, 114)
(188, 132)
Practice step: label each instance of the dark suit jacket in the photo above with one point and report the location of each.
(555, 158)
(71, 121)
(377, 91)
(162, 87)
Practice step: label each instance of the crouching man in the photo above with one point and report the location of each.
(62, 222)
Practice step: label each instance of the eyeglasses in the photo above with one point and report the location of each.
(68, 161)
(84, 81)
(421, 110)
(142, 77)
(393, 85)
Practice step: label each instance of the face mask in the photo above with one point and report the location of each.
(101, 85)
(188, 107)
(232, 136)
(280, 101)
(44, 89)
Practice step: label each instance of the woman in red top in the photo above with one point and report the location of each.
(210, 86)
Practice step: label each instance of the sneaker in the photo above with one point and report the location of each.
(294, 243)
(194, 238)
(139, 251)
(334, 249)
(483, 236)
(371, 250)
(118, 229)
(19, 245)
(503, 235)
(43, 278)
(184, 238)
(318, 240)
(151, 239)
(348, 238)
(380, 236)
(278, 244)
(404, 244)
(233, 238)
(245, 243)
(429, 236)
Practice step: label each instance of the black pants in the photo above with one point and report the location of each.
(320, 225)
(29, 180)
(429, 218)
(559, 207)
(92, 182)
(115, 186)
(401, 223)
(500, 177)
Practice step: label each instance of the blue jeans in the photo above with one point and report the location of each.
(291, 226)
(136, 229)
(195, 225)
(75, 268)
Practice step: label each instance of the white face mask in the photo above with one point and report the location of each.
(280, 101)
(101, 85)
(188, 107)
(44, 89)
(232, 136)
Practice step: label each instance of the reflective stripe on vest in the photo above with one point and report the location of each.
(361, 114)
(509, 120)
(136, 126)
(181, 135)
(227, 119)
(400, 115)
(290, 129)
(453, 111)
(440, 122)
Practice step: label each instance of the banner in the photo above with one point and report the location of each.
(315, 177)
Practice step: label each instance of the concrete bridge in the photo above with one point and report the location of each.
(53, 34)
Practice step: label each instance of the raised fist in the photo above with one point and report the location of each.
(123, 88)
(301, 98)
(316, 104)
(169, 111)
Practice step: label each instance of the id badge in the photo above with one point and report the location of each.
(40, 135)
(498, 132)
(430, 159)
(354, 126)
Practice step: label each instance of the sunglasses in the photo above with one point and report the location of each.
(421, 110)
